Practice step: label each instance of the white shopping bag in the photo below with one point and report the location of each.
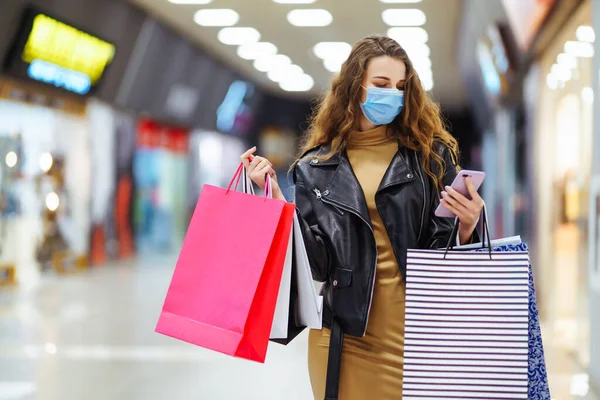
(507, 241)
(279, 330)
(310, 305)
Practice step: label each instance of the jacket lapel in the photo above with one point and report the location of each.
(345, 189)
(398, 172)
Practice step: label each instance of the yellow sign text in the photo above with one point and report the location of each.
(58, 43)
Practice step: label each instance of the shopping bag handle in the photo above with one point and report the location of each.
(247, 186)
(486, 233)
(236, 178)
(268, 187)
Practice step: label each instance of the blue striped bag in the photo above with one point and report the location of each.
(538, 377)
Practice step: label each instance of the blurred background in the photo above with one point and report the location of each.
(115, 113)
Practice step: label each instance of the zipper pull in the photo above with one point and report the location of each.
(318, 193)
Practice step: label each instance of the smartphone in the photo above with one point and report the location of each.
(477, 177)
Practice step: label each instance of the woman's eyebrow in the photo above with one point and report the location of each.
(382, 77)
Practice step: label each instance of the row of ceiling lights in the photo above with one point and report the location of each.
(405, 28)
(196, 2)
(567, 61)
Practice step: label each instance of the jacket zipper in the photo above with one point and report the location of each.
(352, 211)
(320, 198)
(424, 196)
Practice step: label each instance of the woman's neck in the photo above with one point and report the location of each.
(364, 124)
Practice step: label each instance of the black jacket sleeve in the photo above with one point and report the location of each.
(440, 229)
(319, 252)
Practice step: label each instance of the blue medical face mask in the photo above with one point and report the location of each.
(382, 104)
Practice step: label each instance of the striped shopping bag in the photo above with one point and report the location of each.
(538, 388)
(466, 325)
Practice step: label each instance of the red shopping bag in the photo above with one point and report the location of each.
(224, 289)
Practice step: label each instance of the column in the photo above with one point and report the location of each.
(594, 368)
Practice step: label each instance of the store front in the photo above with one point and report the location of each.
(562, 161)
(160, 175)
(52, 140)
(45, 178)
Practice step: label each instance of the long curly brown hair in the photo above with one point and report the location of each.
(418, 126)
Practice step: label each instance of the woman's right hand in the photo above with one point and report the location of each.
(257, 168)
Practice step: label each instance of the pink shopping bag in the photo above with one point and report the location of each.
(224, 289)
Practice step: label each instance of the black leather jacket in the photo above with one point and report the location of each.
(338, 233)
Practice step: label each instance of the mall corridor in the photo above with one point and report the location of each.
(91, 336)
(124, 124)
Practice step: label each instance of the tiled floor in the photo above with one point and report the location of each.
(91, 337)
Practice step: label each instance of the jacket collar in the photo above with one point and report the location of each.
(344, 188)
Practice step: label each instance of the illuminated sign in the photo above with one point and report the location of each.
(60, 77)
(494, 60)
(234, 106)
(64, 56)
(526, 17)
(491, 77)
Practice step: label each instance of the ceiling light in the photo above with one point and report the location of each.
(252, 51)
(45, 162)
(585, 33)
(424, 72)
(336, 50)
(579, 49)
(238, 35)
(333, 64)
(580, 385)
(316, 17)
(11, 159)
(52, 201)
(266, 64)
(294, 1)
(427, 83)
(404, 17)
(567, 61)
(552, 82)
(301, 83)
(418, 51)
(421, 63)
(404, 35)
(285, 73)
(216, 17)
(190, 1)
(561, 73)
(401, 1)
(587, 93)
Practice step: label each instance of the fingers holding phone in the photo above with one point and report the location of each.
(467, 209)
(461, 199)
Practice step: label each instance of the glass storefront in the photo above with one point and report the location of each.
(46, 171)
(160, 174)
(562, 164)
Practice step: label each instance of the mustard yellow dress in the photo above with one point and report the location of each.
(371, 365)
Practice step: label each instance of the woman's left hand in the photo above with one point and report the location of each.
(467, 211)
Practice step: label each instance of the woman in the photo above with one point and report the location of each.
(375, 160)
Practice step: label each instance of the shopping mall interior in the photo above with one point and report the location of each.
(115, 114)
